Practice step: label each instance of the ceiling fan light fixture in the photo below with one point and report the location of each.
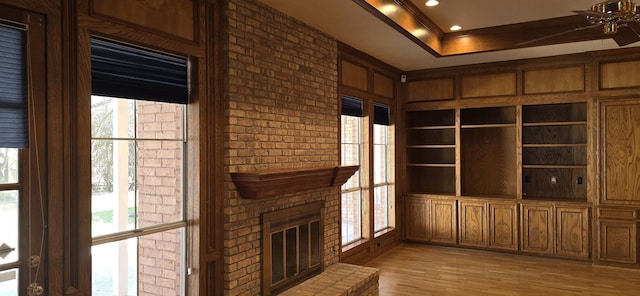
(610, 28)
(615, 7)
(432, 3)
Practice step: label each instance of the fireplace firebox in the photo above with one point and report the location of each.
(293, 241)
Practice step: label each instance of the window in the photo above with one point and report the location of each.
(13, 124)
(357, 197)
(352, 190)
(138, 138)
(23, 147)
(383, 200)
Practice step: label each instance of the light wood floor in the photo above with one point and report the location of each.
(415, 269)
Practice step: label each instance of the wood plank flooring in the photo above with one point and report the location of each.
(415, 269)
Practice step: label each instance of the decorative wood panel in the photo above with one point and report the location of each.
(174, 17)
(619, 213)
(620, 140)
(503, 226)
(354, 75)
(473, 223)
(537, 229)
(383, 85)
(443, 221)
(572, 232)
(620, 75)
(417, 218)
(540, 81)
(492, 85)
(618, 241)
(431, 90)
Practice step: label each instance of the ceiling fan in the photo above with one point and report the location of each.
(619, 19)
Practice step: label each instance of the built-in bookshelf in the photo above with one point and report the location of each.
(488, 151)
(554, 151)
(431, 151)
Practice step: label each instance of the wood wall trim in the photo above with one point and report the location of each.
(134, 14)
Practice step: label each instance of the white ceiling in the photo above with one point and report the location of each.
(348, 22)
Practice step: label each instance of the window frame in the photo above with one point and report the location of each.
(361, 188)
(367, 170)
(189, 200)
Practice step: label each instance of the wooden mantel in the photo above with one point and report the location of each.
(261, 185)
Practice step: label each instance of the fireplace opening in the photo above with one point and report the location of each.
(292, 246)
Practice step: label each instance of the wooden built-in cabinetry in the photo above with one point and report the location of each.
(480, 150)
(488, 168)
(619, 203)
(535, 157)
(555, 229)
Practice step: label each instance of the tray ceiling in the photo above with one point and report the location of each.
(358, 24)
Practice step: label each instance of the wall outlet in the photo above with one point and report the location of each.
(554, 180)
(579, 180)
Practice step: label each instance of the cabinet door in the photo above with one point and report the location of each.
(537, 229)
(473, 223)
(417, 218)
(572, 232)
(443, 221)
(620, 146)
(618, 241)
(503, 229)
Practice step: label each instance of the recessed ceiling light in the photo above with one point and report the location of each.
(432, 3)
(455, 28)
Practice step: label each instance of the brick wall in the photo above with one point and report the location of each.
(281, 111)
(159, 179)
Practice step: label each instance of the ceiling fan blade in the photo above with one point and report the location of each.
(557, 34)
(626, 35)
(590, 13)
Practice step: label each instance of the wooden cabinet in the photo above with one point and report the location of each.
(558, 229)
(503, 225)
(620, 149)
(618, 217)
(443, 221)
(618, 235)
(618, 241)
(572, 231)
(537, 229)
(417, 222)
(472, 216)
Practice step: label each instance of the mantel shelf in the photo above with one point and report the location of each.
(267, 184)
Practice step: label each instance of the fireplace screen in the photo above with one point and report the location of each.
(292, 245)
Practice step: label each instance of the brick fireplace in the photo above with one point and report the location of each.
(281, 112)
